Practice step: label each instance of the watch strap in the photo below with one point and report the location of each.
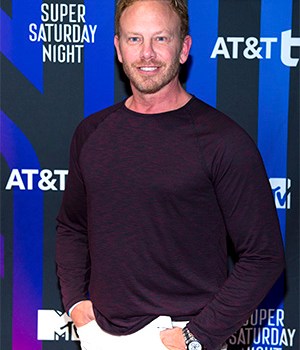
(189, 337)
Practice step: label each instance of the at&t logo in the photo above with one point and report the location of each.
(30, 179)
(254, 48)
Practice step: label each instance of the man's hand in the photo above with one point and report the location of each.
(83, 313)
(173, 339)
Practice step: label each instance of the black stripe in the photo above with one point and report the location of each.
(6, 6)
(237, 86)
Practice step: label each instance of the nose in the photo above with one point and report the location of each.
(147, 50)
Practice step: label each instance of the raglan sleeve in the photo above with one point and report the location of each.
(245, 199)
(72, 255)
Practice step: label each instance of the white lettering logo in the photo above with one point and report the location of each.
(63, 32)
(254, 48)
(55, 325)
(30, 179)
(264, 330)
(281, 188)
(287, 43)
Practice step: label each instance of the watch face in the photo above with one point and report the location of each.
(194, 345)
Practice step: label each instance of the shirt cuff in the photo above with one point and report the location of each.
(73, 307)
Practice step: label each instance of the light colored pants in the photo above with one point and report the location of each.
(92, 337)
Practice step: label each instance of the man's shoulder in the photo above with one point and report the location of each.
(217, 132)
(92, 122)
(208, 119)
(204, 114)
(98, 117)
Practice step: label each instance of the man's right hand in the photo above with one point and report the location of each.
(83, 313)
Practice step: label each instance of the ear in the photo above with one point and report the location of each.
(185, 50)
(117, 46)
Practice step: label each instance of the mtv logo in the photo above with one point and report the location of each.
(55, 325)
(281, 188)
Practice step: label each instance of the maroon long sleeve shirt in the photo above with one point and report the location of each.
(150, 202)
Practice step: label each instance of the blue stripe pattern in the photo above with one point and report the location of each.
(28, 240)
(99, 57)
(273, 111)
(202, 80)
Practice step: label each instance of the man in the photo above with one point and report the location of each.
(156, 186)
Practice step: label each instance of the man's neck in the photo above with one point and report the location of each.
(162, 101)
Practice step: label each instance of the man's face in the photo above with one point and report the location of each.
(149, 46)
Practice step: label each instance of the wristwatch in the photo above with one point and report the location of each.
(190, 341)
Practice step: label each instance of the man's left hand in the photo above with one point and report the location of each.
(173, 339)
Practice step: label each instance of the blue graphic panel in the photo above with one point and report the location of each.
(28, 240)
(99, 58)
(276, 17)
(204, 31)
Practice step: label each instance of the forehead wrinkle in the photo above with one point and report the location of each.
(159, 32)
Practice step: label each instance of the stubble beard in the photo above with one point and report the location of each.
(151, 84)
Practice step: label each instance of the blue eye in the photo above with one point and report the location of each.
(161, 38)
(134, 39)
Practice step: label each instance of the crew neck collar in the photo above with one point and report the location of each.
(138, 114)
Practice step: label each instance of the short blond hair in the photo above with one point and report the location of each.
(178, 6)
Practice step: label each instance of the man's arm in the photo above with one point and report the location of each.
(72, 254)
(247, 205)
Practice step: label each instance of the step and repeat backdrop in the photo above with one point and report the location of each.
(58, 65)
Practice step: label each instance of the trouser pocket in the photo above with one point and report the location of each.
(89, 336)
